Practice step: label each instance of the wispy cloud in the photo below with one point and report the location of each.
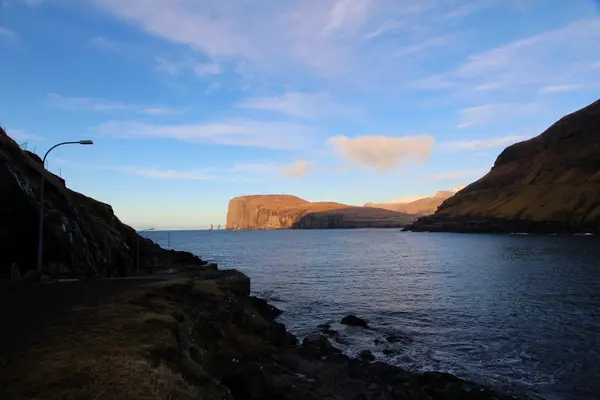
(103, 43)
(427, 44)
(163, 173)
(306, 105)
(324, 37)
(489, 113)
(8, 35)
(529, 61)
(237, 132)
(482, 144)
(204, 69)
(297, 169)
(188, 65)
(460, 174)
(384, 153)
(561, 88)
(100, 105)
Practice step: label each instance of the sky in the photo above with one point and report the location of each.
(193, 102)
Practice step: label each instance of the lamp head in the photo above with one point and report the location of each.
(86, 142)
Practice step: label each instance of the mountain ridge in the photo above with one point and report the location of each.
(547, 184)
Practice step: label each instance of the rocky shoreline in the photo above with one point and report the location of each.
(478, 224)
(205, 336)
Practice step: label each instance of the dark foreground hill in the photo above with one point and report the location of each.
(548, 184)
(82, 236)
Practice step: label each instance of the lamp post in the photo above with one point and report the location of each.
(137, 258)
(40, 254)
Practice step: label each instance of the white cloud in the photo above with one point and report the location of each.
(483, 144)
(204, 69)
(8, 35)
(326, 37)
(561, 88)
(460, 174)
(297, 169)
(100, 105)
(384, 153)
(489, 113)
(240, 132)
(170, 67)
(306, 105)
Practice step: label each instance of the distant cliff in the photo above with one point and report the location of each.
(82, 236)
(547, 184)
(424, 206)
(291, 212)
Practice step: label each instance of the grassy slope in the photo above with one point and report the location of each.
(552, 177)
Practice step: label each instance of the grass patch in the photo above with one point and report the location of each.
(127, 349)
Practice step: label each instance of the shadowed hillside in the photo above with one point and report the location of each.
(550, 183)
(424, 206)
(82, 236)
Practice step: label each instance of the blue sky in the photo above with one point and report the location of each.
(193, 102)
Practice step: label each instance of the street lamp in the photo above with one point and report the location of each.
(40, 255)
(137, 262)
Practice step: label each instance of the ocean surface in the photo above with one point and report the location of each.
(518, 312)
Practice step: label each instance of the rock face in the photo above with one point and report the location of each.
(285, 212)
(82, 236)
(424, 206)
(548, 184)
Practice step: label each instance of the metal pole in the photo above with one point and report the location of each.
(40, 255)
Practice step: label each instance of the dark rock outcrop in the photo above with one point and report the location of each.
(82, 236)
(285, 212)
(353, 320)
(366, 355)
(548, 184)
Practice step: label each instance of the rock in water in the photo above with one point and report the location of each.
(285, 211)
(397, 339)
(353, 320)
(315, 347)
(266, 310)
(548, 184)
(366, 355)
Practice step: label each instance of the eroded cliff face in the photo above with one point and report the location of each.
(265, 212)
(547, 184)
(82, 236)
(291, 212)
